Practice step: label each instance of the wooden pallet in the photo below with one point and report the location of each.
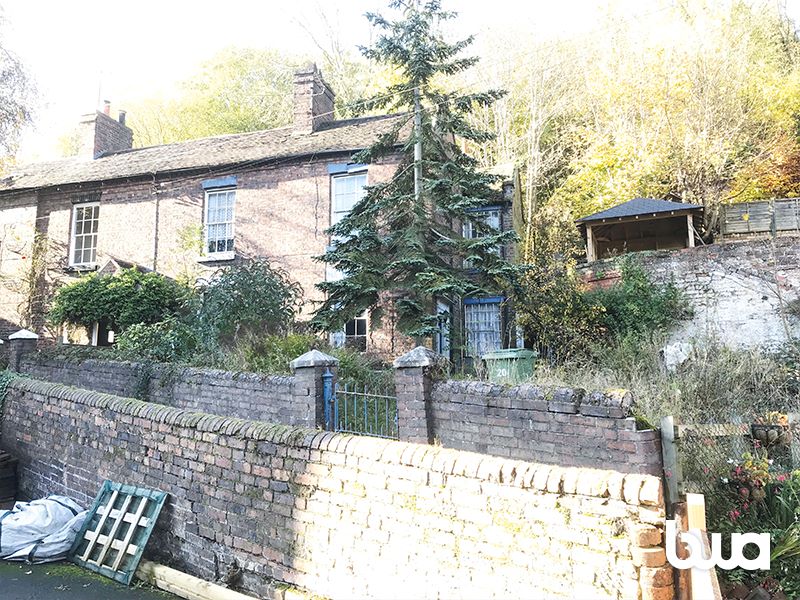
(112, 539)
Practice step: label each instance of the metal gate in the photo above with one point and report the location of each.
(352, 408)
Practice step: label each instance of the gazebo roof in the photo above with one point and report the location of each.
(639, 207)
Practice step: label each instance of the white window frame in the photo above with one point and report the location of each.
(356, 336)
(219, 254)
(331, 273)
(493, 217)
(73, 236)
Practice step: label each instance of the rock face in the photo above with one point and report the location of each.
(741, 291)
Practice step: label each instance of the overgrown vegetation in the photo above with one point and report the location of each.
(127, 298)
(565, 321)
(757, 496)
(240, 319)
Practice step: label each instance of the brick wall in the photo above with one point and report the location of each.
(562, 426)
(343, 516)
(282, 213)
(272, 398)
(739, 290)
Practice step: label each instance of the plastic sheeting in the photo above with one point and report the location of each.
(40, 531)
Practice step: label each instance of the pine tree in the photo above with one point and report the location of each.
(404, 249)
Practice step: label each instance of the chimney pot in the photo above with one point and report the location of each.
(122, 114)
(106, 107)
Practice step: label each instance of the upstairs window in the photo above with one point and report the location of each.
(219, 222)
(346, 192)
(83, 241)
(347, 189)
(490, 218)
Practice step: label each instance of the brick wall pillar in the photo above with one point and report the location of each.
(308, 384)
(22, 342)
(413, 376)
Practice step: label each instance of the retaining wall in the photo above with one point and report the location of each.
(265, 506)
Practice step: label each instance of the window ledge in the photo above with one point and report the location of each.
(218, 257)
(80, 268)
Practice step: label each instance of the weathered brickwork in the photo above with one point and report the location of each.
(272, 398)
(563, 426)
(282, 212)
(344, 516)
(739, 290)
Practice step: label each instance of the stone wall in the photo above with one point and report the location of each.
(342, 516)
(271, 398)
(739, 290)
(562, 426)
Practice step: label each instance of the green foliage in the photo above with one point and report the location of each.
(272, 353)
(254, 297)
(124, 299)
(756, 497)
(165, 341)
(399, 251)
(563, 321)
(636, 304)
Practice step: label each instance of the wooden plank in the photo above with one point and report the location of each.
(114, 528)
(696, 511)
(115, 544)
(100, 524)
(129, 535)
(714, 429)
(128, 518)
(185, 586)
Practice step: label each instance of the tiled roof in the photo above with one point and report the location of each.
(639, 207)
(235, 149)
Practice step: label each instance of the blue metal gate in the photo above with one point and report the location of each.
(352, 408)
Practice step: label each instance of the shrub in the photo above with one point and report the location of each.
(251, 298)
(124, 299)
(636, 304)
(166, 341)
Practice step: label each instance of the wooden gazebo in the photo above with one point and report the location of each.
(640, 224)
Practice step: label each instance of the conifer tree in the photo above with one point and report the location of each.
(401, 248)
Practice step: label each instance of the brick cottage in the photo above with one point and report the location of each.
(189, 208)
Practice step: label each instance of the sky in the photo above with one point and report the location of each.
(81, 52)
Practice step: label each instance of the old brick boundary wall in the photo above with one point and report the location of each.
(563, 426)
(343, 516)
(245, 395)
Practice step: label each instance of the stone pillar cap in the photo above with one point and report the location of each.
(23, 334)
(418, 357)
(314, 358)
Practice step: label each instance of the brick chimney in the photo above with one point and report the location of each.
(100, 133)
(313, 100)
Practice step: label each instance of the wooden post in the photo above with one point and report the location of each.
(672, 468)
(704, 583)
(690, 224)
(591, 254)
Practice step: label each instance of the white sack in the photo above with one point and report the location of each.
(55, 546)
(31, 522)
